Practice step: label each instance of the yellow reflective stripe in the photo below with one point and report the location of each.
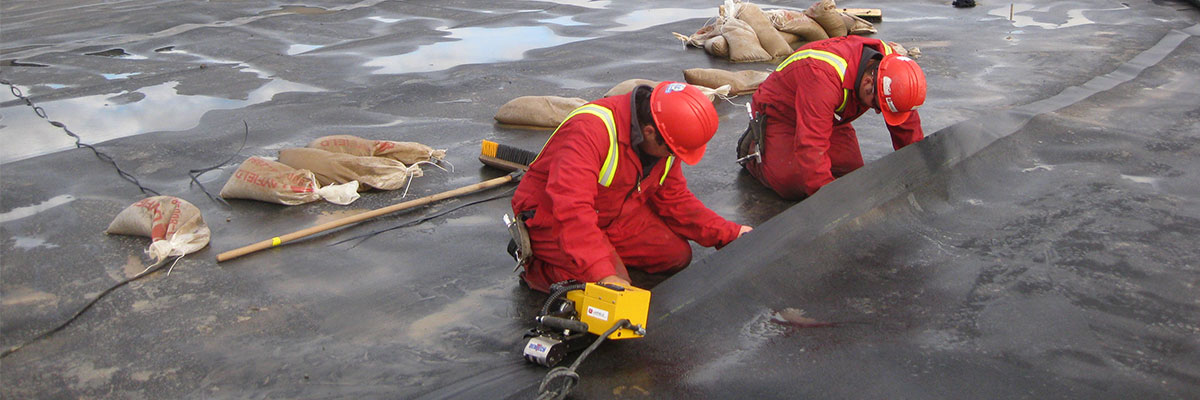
(609, 169)
(670, 162)
(886, 49)
(838, 63)
(845, 98)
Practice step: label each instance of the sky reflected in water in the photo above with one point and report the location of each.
(642, 19)
(472, 45)
(100, 118)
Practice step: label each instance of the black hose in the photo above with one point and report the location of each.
(195, 173)
(570, 377)
(558, 293)
(89, 305)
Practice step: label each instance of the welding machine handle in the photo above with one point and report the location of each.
(563, 323)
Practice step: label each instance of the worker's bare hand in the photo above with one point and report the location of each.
(743, 230)
(615, 279)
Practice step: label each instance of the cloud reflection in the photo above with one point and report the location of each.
(97, 118)
(474, 45)
(642, 19)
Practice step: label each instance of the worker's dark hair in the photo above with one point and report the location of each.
(873, 66)
(641, 97)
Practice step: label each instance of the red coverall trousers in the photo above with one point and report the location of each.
(638, 237)
(779, 170)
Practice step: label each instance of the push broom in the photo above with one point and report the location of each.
(504, 157)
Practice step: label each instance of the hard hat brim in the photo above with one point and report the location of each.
(690, 157)
(895, 118)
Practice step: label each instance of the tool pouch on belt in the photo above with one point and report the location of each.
(750, 145)
(519, 246)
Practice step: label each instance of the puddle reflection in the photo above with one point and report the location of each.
(119, 76)
(594, 4)
(474, 45)
(1075, 17)
(301, 48)
(29, 211)
(97, 118)
(642, 19)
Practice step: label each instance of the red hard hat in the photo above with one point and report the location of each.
(685, 118)
(900, 85)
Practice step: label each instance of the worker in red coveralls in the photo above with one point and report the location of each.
(607, 192)
(804, 109)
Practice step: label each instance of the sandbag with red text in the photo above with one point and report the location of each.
(273, 182)
(408, 153)
(330, 168)
(174, 226)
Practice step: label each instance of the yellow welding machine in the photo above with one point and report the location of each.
(602, 305)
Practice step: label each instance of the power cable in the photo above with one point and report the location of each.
(16, 91)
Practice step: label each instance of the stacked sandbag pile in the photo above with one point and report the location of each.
(334, 168)
(743, 32)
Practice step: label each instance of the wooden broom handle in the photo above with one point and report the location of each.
(278, 240)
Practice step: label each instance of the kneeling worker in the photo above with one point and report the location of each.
(606, 191)
(801, 128)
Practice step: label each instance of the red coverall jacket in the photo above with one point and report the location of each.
(580, 225)
(809, 103)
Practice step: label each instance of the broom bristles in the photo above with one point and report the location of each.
(505, 157)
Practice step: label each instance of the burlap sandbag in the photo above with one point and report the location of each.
(174, 226)
(825, 12)
(697, 39)
(406, 152)
(804, 27)
(743, 43)
(768, 36)
(628, 85)
(273, 182)
(740, 82)
(901, 50)
(780, 16)
(539, 111)
(855, 25)
(717, 46)
(714, 93)
(794, 41)
(337, 168)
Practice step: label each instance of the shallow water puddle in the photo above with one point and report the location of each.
(566, 20)
(1075, 17)
(117, 53)
(581, 3)
(642, 19)
(472, 45)
(30, 243)
(384, 20)
(477, 45)
(301, 48)
(120, 76)
(103, 117)
(29, 211)
(301, 10)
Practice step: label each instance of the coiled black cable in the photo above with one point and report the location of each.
(569, 377)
